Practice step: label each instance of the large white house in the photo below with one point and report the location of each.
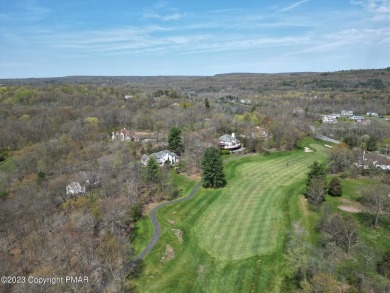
(85, 182)
(124, 135)
(346, 113)
(373, 160)
(75, 188)
(329, 119)
(229, 142)
(161, 157)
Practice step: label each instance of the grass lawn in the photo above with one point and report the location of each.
(144, 228)
(234, 238)
(377, 238)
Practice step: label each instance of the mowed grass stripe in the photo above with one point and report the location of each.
(232, 213)
(260, 198)
(236, 234)
(220, 217)
(247, 222)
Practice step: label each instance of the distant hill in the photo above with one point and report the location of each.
(377, 79)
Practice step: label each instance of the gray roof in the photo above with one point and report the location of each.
(228, 138)
(144, 159)
(161, 154)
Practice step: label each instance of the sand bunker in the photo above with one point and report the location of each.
(349, 209)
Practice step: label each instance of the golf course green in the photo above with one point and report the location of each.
(231, 239)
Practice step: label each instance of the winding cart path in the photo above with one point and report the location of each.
(156, 224)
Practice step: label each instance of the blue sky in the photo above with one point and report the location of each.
(47, 38)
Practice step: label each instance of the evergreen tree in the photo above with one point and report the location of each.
(206, 103)
(152, 170)
(371, 144)
(174, 141)
(316, 184)
(335, 188)
(212, 168)
(315, 193)
(316, 170)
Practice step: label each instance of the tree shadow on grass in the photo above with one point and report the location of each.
(368, 219)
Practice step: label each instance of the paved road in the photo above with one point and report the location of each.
(156, 224)
(323, 137)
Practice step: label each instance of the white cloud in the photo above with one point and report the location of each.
(163, 12)
(296, 4)
(346, 40)
(165, 17)
(380, 9)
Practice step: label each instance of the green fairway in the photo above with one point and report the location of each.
(234, 237)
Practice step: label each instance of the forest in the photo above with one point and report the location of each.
(56, 131)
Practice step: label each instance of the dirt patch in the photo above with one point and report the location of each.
(171, 222)
(350, 206)
(195, 176)
(303, 205)
(179, 235)
(347, 201)
(149, 206)
(349, 209)
(169, 254)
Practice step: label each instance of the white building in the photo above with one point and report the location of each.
(74, 188)
(85, 182)
(229, 142)
(374, 160)
(161, 157)
(346, 113)
(124, 135)
(329, 119)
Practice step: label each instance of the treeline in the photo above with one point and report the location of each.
(344, 257)
(52, 133)
(341, 255)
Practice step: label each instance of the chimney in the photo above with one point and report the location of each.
(233, 135)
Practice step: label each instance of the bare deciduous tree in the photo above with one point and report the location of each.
(377, 199)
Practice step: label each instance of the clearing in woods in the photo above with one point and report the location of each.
(233, 238)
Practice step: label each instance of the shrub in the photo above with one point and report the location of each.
(135, 212)
(335, 188)
(225, 152)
